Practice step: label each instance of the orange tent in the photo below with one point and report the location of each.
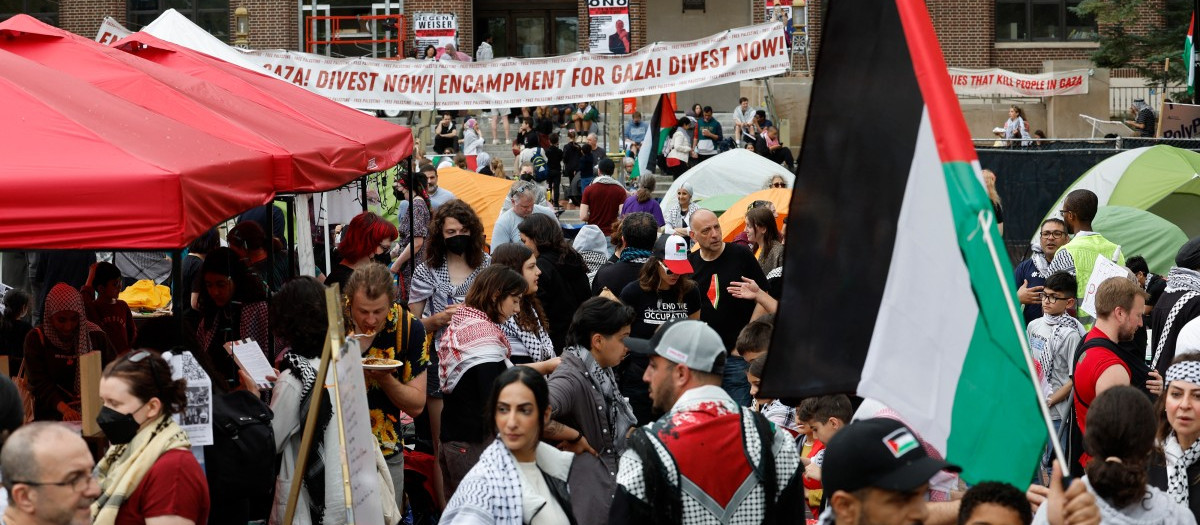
(484, 193)
(733, 221)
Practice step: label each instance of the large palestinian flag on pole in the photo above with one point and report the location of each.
(896, 283)
(1189, 56)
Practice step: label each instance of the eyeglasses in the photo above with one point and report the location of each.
(1054, 234)
(1051, 299)
(1064, 212)
(665, 269)
(78, 482)
(779, 185)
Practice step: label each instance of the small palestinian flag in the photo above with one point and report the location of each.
(915, 305)
(714, 291)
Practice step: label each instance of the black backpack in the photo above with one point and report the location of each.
(241, 460)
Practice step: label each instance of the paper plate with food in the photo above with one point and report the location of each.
(379, 363)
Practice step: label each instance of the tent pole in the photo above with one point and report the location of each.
(325, 231)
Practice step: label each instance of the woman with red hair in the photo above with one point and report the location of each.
(367, 236)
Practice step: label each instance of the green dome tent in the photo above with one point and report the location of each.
(1162, 180)
(1142, 233)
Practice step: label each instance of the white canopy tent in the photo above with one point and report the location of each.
(735, 172)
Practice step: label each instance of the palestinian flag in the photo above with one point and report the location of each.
(657, 134)
(1189, 56)
(905, 292)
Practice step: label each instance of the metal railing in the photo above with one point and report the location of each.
(1119, 98)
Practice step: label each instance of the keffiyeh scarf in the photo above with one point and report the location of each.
(1177, 478)
(470, 339)
(63, 297)
(1181, 279)
(619, 414)
(634, 255)
(1060, 326)
(491, 491)
(122, 468)
(314, 471)
(1178, 280)
(538, 345)
(1039, 260)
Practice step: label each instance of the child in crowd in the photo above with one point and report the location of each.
(105, 309)
(1052, 341)
(809, 447)
(755, 338)
(773, 409)
(825, 415)
(994, 503)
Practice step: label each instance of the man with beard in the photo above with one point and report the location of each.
(1031, 274)
(687, 466)
(1078, 257)
(1178, 306)
(1102, 364)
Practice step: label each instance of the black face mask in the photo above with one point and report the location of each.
(458, 244)
(118, 428)
(383, 258)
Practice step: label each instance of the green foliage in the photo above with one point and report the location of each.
(1145, 53)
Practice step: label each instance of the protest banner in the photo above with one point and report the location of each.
(995, 81)
(435, 29)
(608, 27)
(1179, 121)
(408, 85)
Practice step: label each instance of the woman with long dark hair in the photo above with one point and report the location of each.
(409, 248)
(148, 474)
(1120, 441)
(473, 351)
(233, 306)
(563, 285)
(527, 331)
(517, 466)
(763, 234)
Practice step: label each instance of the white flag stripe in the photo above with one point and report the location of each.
(926, 246)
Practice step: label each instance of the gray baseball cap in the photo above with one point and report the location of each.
(684, 341)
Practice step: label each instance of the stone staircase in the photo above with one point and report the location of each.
(503, 150)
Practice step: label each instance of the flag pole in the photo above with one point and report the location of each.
(985, 222)
(1194, 63)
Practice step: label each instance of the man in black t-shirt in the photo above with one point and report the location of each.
(716, 265)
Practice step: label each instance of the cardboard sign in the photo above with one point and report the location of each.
(1103, 270)
(90, 367)
(1179, 121)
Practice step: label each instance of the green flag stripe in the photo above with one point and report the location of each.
(995, 392)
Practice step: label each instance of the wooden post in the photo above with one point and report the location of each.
(333, 343)
(90, 367)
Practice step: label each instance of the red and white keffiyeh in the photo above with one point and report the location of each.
(470, 339)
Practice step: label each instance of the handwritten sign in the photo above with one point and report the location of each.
(1103, 270)
(360, 446)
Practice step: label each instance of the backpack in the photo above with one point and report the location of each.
(1070, 437)
(540, 171)
(241, 459)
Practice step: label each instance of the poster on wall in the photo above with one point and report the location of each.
(781, 11)
(435, 29)
(608, 27)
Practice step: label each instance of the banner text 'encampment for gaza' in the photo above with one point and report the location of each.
(735, 55)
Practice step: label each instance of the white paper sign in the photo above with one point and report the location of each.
(360, 447)
(251, 358)
(1104, 269)
(196, 418)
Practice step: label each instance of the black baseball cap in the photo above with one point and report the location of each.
(879, 453)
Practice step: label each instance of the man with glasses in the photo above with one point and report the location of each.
(1031, 274)
(47, 470)
(717, 265)
(1078, 257)
(522, 202)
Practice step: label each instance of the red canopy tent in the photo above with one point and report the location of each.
(307, 157)
(385, 143)
(84, 169)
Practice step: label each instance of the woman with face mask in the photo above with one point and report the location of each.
(148, 473)
(414, 227)
(367, 238)
(473, 351)
(518, 479)
(52, 353)
(454, 256)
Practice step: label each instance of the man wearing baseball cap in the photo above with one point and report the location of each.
(707, 459)
(876, 471)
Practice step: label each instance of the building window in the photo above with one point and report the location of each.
(211, 15)
(1042, 21)
(44, 10)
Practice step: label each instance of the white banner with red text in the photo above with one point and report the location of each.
(731, 56)
(999, 82)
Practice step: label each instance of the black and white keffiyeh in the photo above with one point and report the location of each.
(1039, 259)
(537, 345)
(491, 491)
(1183, 279)
(1060, 326)
(1177, 478)
(620, 413)
(314, 472)
(1178, 279)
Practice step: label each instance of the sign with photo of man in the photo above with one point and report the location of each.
(608, 24)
